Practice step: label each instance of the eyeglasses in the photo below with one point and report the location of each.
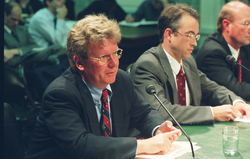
(104, 59)
(191, 36)
(247, 24)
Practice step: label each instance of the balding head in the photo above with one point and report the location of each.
(12, 14)
(230, 11)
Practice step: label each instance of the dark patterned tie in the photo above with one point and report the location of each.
(15, 35)
(55, 20)
(180, 78)
(105, 114)
(239, 69)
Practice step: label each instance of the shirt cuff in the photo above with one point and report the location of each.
(153, 132)
(212, 111)
(20, 52)
(238, 100)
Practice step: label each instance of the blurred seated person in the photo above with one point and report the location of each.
(109, 7)
(48, 26)
(29, 7)
(149, 9)
(87, 112)
(18, 42)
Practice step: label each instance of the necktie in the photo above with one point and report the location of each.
(15, 35)
(105, 114)
(239, 69)
(55, 22)
(180, 78)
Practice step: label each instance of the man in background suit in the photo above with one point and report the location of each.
(71, 123)
(18, 42)
(178, 27)
(232, 38)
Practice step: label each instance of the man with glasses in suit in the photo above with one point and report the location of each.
(179, 84)
(88, 111)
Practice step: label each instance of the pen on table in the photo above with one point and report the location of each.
(231, 101)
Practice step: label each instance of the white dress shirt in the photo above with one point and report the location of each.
(42, 29)
(176, 66)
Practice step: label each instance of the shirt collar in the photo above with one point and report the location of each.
(97, 92)
(234, 52)
(175, 65)
(51, 15)
(7, 29)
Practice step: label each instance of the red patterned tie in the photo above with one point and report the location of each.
(181, 87)
(105, 114)
(239, 69)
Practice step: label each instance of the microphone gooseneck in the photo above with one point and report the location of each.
(150, 89)
(232, 60)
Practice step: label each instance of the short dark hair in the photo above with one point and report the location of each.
(170, 16)
(45, 4)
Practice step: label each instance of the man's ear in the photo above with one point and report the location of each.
(225, 24)
(168, 34)
(78, 62)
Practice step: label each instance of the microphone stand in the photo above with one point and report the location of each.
(242, 66)
(177, 124)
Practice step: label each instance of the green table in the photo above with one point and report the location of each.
(209, 138)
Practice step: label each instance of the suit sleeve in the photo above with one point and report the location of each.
(215, 66)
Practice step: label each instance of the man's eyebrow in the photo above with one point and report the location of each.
(14, 19)
(191, 32)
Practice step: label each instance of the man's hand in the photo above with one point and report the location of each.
(129, 19)
(167, 126)
(158, 144)
(243, 108)
(225, 113)
(8, 54)
(62, 12)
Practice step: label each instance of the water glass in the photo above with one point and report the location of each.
(230, 140)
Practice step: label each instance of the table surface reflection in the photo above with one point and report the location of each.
(209, 138)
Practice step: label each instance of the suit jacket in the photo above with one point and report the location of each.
(211, 59)
(153, 67)
(68, 128)
(25, 43)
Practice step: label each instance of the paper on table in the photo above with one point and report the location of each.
(136, 24)
(244, 119)
(178, 148)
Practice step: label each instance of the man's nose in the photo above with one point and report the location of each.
(113, 61)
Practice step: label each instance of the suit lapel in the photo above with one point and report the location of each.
(191, 80)
(10, 40)
(116, 108)
(168, 72)
(89, 106)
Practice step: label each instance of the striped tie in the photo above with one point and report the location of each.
(105, 114)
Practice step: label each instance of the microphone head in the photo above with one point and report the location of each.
(231, 59)
(150, 89)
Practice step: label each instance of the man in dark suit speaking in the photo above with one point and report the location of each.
(232, 38)
(88, 110)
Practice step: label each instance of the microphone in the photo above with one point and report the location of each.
(150, 89)
(232, 60)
